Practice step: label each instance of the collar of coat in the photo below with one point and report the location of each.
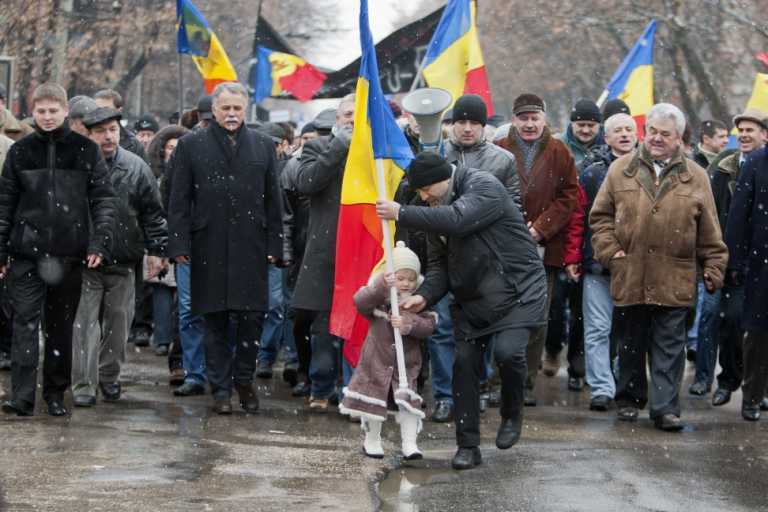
(641, 167)
(730, 165)
(516, 150)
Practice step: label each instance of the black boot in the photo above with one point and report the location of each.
(509, 432)
(249, 401)
(467, 458)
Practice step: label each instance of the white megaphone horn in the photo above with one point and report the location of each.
(427, 105)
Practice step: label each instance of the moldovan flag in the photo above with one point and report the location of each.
(633, 81)
(197, 39)
(360, 239)
(278, 72)
(454, 60)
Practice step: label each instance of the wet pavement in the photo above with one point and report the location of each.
(152, 451)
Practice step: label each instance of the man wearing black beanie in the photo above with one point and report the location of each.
(584, 131)
(481, 251)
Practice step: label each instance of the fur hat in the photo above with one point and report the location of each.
(528, 103)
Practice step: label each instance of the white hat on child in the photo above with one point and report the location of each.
(403, 258)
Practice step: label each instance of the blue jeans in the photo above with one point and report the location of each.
(597, 309)
(165, 324)
(709, 326)
(278, 331)
(693, 333)
(191, 328)
(442, 349)
(326, 348)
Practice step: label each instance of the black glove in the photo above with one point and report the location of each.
(734, 278)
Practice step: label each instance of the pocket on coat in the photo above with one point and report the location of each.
(619, 283)
(682, 275)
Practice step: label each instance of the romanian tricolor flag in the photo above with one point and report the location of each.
(197, 39)
(376, 140)
(454, 60)
(278, 72)
(633, 81)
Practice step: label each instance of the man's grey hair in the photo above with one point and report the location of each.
(231, 88)
(617, 119)
(349, 98)
(667, 111)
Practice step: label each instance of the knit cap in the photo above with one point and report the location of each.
(405, 259)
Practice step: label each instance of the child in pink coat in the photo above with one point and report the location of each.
(375, 384)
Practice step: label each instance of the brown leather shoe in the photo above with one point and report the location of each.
(249, 401)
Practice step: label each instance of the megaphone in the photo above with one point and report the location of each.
(427, 105)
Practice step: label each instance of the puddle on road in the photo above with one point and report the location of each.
(398, 490)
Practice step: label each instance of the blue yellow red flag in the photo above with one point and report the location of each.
(360, 240)
(195, 38)
(633, 80)
(454, 59)
(278, 72)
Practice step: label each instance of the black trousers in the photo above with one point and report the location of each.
(231, 348)
(562, 327)
(6, 330)
(142, 318)
(509, 350)
(755, 367)
(302, 323)
(55, 303)
(730, 338)
(657, 332)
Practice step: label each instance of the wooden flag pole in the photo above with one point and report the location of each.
(399, 352)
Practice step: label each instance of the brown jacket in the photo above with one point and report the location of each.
(376, 373)
(666, 227)
(549, 192)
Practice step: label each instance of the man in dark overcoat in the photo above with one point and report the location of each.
(747, 238)
(224, 217)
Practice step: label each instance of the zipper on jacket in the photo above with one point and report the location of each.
(52, 195)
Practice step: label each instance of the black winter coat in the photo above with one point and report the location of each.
(746, 235)
(55, 198)
(480, 249)
(224, 212)
(319, 178)
(591, 178)
(724, 175)
(129, 141)
(139, 222)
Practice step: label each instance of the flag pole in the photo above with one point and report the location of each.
(181, 86)
(602, 98)
(390, 268)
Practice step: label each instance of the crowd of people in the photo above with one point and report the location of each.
(214, 240)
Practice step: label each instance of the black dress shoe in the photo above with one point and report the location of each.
(222, 406)
(141, 338)
(575, 383)
(509, 432)
(110, 391)
(764, 404)
(84, 400)
(721, 397)
(494, 399)
(301, 389)
(264, 370)
(600, 403)
(443, 412)
(467, 458)
(290, 376)
(249, 401)
(529, 400)
(750, 412)
(698, 389)
(13, 407)
(56, 408)
(5, 361)
(668, 423)
(627, 413)
(189, 389)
